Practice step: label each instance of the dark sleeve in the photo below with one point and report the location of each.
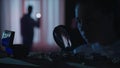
(36, 23)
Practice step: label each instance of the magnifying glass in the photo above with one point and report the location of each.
(38, 15)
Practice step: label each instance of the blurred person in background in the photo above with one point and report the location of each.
(27, 29)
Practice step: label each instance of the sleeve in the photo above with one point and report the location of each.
(36, 23)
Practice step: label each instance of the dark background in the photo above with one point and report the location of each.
(100, 19)
(0, 20)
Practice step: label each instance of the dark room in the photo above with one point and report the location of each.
(60, 34)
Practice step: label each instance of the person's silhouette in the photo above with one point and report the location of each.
(27, 29)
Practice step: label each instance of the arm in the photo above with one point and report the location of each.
(36, 23)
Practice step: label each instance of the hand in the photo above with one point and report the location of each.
(38, 19)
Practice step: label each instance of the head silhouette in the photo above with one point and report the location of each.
(30, 9)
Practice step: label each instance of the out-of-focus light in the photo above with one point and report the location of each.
(38, 15)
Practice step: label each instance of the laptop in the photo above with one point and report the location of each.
(7, 41)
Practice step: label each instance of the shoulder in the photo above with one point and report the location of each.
(24, 17)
